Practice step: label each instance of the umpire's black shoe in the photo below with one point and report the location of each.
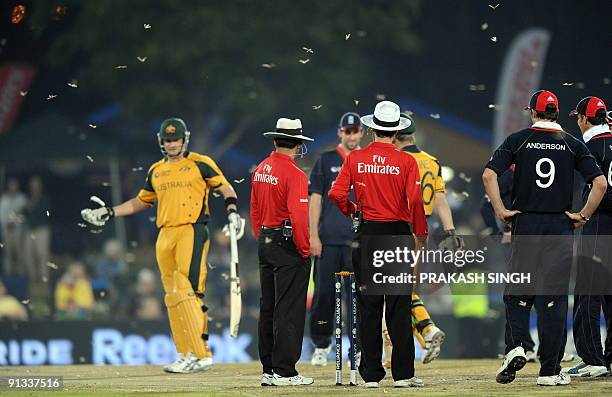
(514, 361)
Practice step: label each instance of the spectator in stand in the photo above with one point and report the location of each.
(38, 242)
(146, 301)
(10, 307)
(74, 298)
(12, 206)
(109, 268)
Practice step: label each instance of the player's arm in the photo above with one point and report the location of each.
(443, 210)
(341, 188)
(314, 214)
(598, 189)
(501, 160)
(591, 172)
(297, 204)
(316, 184)
(214, 178)
(489, 178)
(130, 207)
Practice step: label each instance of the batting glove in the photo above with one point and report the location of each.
(451, 242)
(236, 222)
(98, 216)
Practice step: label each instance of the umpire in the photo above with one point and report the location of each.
(545, 157)
(330, 235)
(388, 199)
(279, 213)
(593, 280)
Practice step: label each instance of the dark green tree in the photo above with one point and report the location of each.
(240, 61)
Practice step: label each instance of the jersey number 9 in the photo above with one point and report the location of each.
(550, 175)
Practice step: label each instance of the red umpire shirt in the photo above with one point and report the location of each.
(386, 183)
(279, 191)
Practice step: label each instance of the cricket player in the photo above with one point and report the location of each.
(545, 158)
(330, 235)
(179, 184)
(279, 214)
(434, 196)
(388, 201)
(592, 279)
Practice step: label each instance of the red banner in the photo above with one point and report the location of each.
(15, 80)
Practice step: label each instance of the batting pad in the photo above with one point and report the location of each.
(182, 346)
(192, 323)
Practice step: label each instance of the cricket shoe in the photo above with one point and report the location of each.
(176, 366)
(433, 343)
(586, 370)
(199, 365)
(531, 356)
(412, 382)
(297, 380)
(319, 357)
(369, 385)
(554, 380)
(514, 361)
(567, 358)
(266, 379)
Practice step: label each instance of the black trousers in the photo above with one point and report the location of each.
(542, 243)
(397, 314)
(284, 277)
(333, 259)
(591, 296)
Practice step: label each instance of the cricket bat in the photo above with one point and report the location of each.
(235, 292)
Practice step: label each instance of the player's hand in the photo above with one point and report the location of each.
(506, 215)
(576, 218)
(451, 241)
(98, 216)
(235, 221)
(316, 247)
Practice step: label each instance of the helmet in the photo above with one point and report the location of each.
(173, 128)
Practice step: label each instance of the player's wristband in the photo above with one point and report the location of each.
(449, 232)
(229, 201)
(584, 217)
(111, 212)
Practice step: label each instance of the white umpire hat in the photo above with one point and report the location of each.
(386, 117)
(288, 128)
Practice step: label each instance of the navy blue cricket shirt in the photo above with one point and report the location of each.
(334, 227)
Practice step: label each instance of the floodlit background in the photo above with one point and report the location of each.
(84, 86)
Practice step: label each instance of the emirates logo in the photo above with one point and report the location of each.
(170, 129)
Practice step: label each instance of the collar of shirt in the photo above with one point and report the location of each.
(412, 149)
(591, 132)
(282, 156)
(549, 125)
(382, 145)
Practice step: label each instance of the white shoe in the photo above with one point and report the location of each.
(585, 370)
(266, 379)
(554, 380)
(567, 358)
(297, 380)
(514, 361)
(176, 365)
(201, 364)
(433, 343)
(319, 357)
(412, 382)
(369, 385)
(532, 357)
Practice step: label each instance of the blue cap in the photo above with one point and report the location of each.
(350, 119)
